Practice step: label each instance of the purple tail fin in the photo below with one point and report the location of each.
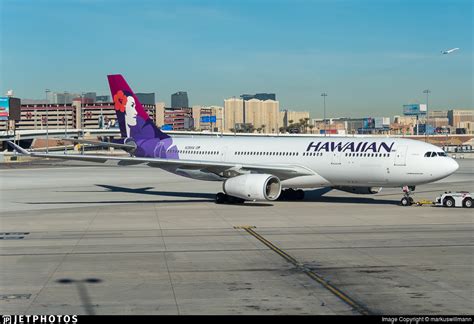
(133, 120)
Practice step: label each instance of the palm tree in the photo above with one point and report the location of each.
(311, 128)
(263, 128)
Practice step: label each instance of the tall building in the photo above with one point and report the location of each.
(457, 116)
(90, 96)
(101, 99)
(233, 113)
(205, 123)
(287, 115)
(263, 115)
(160, 113)
(179, 100)
(63, 97)
(146, 98)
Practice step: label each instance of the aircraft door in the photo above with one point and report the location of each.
(401, 155)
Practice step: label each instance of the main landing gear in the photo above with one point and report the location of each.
(407, 200)
(291, 194)
(222, 198)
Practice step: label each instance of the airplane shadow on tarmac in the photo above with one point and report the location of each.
(316, 195)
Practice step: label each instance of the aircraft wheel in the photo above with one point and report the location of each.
(467, 203)
(405, 202)
(220, 198)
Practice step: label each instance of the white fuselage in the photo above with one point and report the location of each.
(335, 161)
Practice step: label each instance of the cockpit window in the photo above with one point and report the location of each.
(433, 154)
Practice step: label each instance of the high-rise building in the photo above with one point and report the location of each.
(63, 97)
(179, 100)
(160, 113)
(233, 113)
(206, 123)
(146, 98)
(90, 96)
(101, 99)
(263, 115)
(457, 116)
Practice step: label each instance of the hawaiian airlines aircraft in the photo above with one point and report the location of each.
(268, 168)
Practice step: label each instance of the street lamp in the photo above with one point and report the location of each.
(427, 92)
(324, 95)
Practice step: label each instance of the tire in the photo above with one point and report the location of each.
(467, 203)
(220, 198)
(448, 202)
(406, 202)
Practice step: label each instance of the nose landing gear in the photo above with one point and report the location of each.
(407, 200)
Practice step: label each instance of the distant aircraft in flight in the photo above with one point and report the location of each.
(450, 50)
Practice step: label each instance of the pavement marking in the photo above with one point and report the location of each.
(326, 284)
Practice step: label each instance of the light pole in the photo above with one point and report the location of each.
(65, 128)
(324, 95)
(82, 291)
(427, 92)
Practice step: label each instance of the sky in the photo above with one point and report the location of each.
(369, 56)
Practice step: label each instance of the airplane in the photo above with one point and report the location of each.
(271, 167)
(450, 50)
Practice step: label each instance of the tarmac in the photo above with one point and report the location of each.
(138, 240)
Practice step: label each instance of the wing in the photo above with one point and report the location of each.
(126, 147)
(222, 169)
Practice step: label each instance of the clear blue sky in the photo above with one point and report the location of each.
(371, 57)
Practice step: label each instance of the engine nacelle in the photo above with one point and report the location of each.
(360, 190)
(253, 187)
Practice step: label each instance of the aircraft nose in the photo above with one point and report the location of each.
(451, 166)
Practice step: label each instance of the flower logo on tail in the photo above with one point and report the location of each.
(120, 101)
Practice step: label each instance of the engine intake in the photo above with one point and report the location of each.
(253, 187)
(360, 190)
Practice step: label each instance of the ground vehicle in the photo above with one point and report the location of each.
(455, 199)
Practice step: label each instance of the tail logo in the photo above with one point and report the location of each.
(125, 103)
(120, 101)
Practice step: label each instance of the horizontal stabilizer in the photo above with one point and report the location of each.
(126, 147)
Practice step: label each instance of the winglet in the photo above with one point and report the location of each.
(18, 148)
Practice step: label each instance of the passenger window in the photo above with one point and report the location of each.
(433, 154)
(427, 154)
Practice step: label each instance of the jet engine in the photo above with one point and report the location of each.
(253, 187)
(360, 190)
